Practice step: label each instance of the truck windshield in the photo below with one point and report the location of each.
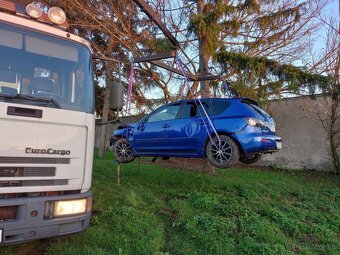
(42, 70)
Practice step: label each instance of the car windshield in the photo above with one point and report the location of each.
(42, 70)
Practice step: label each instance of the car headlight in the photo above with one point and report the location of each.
(255, 122)
(69, 207)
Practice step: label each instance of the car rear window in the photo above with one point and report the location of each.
(257, 110)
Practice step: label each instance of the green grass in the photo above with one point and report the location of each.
(238, 211)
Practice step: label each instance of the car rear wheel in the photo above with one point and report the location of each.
(122, 151)
(251, 159)
(224, 153)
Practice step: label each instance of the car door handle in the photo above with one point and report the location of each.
(202, 123)
(166, 126)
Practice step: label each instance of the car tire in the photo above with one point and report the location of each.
(122, 151)
(228, 156)
(251, 160)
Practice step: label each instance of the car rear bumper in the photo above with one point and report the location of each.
(29, 222)
(252, 144)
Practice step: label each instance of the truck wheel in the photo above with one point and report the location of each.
(251, 159)
(122, 151)
(222, 154)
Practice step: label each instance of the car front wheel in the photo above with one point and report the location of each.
(223, 153)
(251, 159)
(122, 151)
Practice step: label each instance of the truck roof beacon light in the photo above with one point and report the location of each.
(33, 11)
(57, 15)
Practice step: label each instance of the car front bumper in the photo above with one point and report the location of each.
(29, 226)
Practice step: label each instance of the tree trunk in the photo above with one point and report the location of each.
(203, 69)
(334, 128)
(102, 138)
(203, 56)
(332, 138)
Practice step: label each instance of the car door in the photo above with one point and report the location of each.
(153, 135)
(188, 130)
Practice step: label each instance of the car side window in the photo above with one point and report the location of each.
(189, 110)
(220, 106)
(200, 112)
(165, 113)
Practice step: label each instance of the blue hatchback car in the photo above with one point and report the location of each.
(242, 132)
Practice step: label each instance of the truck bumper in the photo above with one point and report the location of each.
(30, 223)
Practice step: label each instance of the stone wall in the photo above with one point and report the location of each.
(305, 143)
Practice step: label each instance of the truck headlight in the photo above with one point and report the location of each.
(57, 15)
(34, 11)
(69, 207)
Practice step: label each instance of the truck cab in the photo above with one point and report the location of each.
(46, 125)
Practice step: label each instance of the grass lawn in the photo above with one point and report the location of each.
(238, 211)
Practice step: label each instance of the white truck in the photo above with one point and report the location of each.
(47, 125)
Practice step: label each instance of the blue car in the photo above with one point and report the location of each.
(238, 130)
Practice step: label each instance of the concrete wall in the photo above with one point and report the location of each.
(305, 143)
(112, 126)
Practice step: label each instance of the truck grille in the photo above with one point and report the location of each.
(27, 171)
(8, 213)
(30, 183)
(27, 160)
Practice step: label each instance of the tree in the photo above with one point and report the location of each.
(276, 30)
(328, 62)
(114, 29)
(263, 78)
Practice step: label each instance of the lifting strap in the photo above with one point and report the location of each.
(227, 90)
(199, 102)
(129, 92)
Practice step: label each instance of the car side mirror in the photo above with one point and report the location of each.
(116, 96)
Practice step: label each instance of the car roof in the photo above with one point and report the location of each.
(242, 99)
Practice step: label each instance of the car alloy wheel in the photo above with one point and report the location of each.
(122, 151)
(223, 153)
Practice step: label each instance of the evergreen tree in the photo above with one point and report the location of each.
(256, 42)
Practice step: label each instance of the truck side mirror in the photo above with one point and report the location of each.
(116, 96)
